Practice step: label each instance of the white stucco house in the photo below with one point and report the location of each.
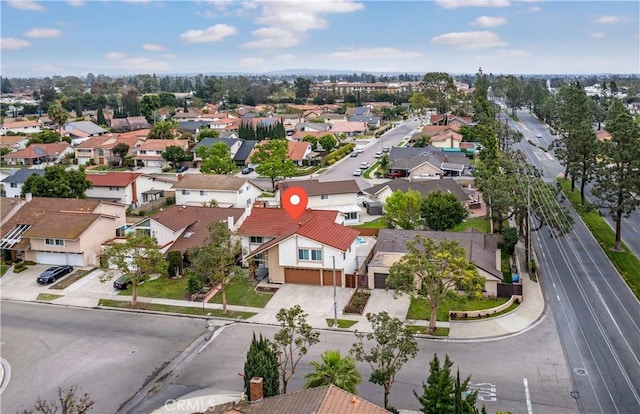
(226, 190)
(129, 188)
(14, 182)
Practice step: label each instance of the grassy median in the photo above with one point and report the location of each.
(187, 310)
(624, 261)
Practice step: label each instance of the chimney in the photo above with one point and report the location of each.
(28, 197)
(230, 223)
(180, 176)
(256, 393)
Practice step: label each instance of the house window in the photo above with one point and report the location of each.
(54, 242)
(256, 239)
(143, 152)
(352, 216)
(186, 192)
(113, 188)
(203, 193)
(240, 192)
(309, 254)
(324, 197)
(14, 185)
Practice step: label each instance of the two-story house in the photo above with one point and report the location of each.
(149, 154)
(99, 150)
(297, 151)
(61, 231)
(233, 144)
(128, 188)
(341, 196)
(226, 190)
(14, 182)
(304, 250)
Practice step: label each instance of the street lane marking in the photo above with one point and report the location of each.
(486, 391)
(558, 296)
(528, 397)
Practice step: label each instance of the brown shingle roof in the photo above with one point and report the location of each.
(219, 182)
(315, 187)
(67, 226)
(432, 130)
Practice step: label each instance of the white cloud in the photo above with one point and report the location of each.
(454, 4)
(488, 21)
(152, 47)
(144, 63)
(358, 53)
(43, 33)
(251, 61)
(534, 9)
(469, 40)
(11, 43)
(76, 3)
(597, 35)
(115, 55)
(25, 5)
(272, 38)
(613, 19)
(210, 34)
(297, 18)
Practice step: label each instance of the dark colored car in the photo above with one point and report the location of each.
(247, 170)
(182, 169)
(54, 273)
(122, 282)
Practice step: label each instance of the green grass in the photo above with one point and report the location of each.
(505, 262)
(3, 269)
(370, 170)
(47, 297)
(419, 307)
(162, 287)
(479, 223)
(417, 329)
(175, 309)
(625, 261)
(378, 223)
(342, 323)
(512, 307)
(241, 291)
(267, 195)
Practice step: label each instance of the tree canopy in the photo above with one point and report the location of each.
(442, 211)
(403, 209)
(57, 181)
(273, 160)
(174, 155)
(334, 369)
(216, 159)
(262, 362)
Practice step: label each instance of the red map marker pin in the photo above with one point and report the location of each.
(294, 200)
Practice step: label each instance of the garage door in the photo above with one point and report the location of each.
(302, 276)
(327, 277)
(51, 258)
(379, 280)
(76, 259)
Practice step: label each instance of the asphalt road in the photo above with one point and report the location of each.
(108, 354)
(597, 315)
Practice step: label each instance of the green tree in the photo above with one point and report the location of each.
(207, 133)
(510, 236)
(302, 87)
(328, 142)
(431, 269)
(138, 258)
(334, 369)
(262, 362)
(120, 150)
(442, 211)
(168, 100)
(393, 345)
(148, 105)
(440, 90)
(418, 102)
(618, 180)
(58, 182)
(101, 119)
(44, 137)
(442, 393)
(273, 160)
(403, 209)
(174, 263)
(163, 130)
(215, 260)
(68, 401)
(174, 155)
(216, 159)
(292, 341)
(58, 115)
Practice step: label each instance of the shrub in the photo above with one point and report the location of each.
(193, 284)
(174, 263)
(29, 263)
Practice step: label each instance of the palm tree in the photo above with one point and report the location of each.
(336, 370)
(59, 116)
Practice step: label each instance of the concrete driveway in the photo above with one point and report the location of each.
(23, 285)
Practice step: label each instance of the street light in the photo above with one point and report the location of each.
(335, 304)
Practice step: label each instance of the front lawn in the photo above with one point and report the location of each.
(479, 223)
(342, 323)
(47, 297)
(162, 287)
(417, 329)
(505, 263)
(3, 269)
(187, 310)
(378, 223)
(241, 291)
(419, 308)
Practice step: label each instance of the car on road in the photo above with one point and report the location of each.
(359, 150)
(385, 149)
(247, 170)
(357, 173)
(364, 165)
(378, 154)
(54, 273)
(122, 282)
(182, 169)
(354, 154)
(538, 135)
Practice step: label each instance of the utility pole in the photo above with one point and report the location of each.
(335, 304)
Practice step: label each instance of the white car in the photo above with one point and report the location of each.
(364, 165)
(378, 154)
(359, 150)
(357, 173)
(538, 135)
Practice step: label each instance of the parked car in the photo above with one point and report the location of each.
(182, 169)
(354, 154)
(54, 273)
(364, 165)
(398, 174)
(378, 154)
(357, 173)
(247, 170)
(122, 282)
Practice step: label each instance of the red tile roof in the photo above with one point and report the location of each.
(328, 232)
(112, 179)
(273, 222)
(432, 130)
(296, 149)
(39, 150)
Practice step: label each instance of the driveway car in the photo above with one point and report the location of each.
(122, 282)
(247, 170)
(357, 173)
(182, 169)
(53, 273)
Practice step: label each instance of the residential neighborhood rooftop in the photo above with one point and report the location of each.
(316, 188)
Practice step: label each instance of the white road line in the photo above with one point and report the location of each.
(528, 397)
(558, 296)
(554, 285)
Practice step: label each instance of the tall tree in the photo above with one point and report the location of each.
(148, 105)
(618, 180)
(393, 345)
(334, 369)
(302, 87)
(440, 90)
(57, 181)
(215, 260)
(431, 269)
(163, 130)
(174, 155)
(138, 258)
(207, 133)
(273, 160)
(262, 362)
(403, 209)
(292, 341)
(442, 211)
(216, 159)
(120, 150)
(101, 119)
(59, 116)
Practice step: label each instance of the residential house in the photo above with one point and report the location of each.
(36, 154)
(297, 151)
(372, 122)
(183, 227)
(9, 207)
(14, 182)
(349, 128)
(131, 123)
(289, 121)
(481, 249)
(241, 157)
(14, 142)
(380, 192)
(128, 188)
(313, 127)
(149, 154)
(446, 139)
(233, 144)
(226, 190)
(300, 135)
(603, 135)
(192, 127)
(462, 121)
(331, 117)
(301, 250)
(80, 131)
(26, 127)
(60, 231)
(341, 196)
(186, 116)
(99, 150)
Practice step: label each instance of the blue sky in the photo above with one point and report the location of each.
(45, 38)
